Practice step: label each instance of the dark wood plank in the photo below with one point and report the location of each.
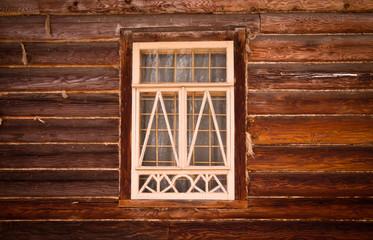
(59, 156)
(183, 36)
(19, 7)
(316, 23)
(291, 102)
(22, 27)
(329, 158)
(106, 26)
(54, 104)
(10, 53)
(38, 79)
(62, 188)
(311, 48)
(310, 184)
(84, 230)
(271, 230)
(126, 114)
(303, 129)
(88, 53)
(259, 208)
(58, 175)
(59, 130)
(240, 117)
(192, 6)
(310, 76)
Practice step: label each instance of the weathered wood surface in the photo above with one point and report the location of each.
(240, 204)
(59, 130)
(78, 79)
(271, 230)
(54, 104)
(259, 208)
(87, 53)
(106, 26)
(11, 53)
(178, 6)
(62, 188)
(310, 184)
(291, 102)
(59, 156)
(298, 48)
(183, 36)
(316, 23)
(310, 76)
(317, 158)
(314, 129)
(84, 230)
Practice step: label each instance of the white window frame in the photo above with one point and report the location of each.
(182, 89)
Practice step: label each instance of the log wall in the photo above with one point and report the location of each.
(309, 105)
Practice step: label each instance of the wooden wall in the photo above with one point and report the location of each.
(309, 106)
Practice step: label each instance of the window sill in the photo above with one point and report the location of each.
(183, 204)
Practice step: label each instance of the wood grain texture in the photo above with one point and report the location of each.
(84, 230)
(192, 6)
(54, 104)
(303, 129)
(59, 156)
(61, 188)
(89, 53)
(270, 230)
(241, 204)
(106, 26)
(259, 208)
(317, 158)
(310, 76)
(316, 23)
(310, 102)
(10, 53)
(196, 35)
(310, 184)
(19, 6)
(59, 130)
(78, 79)
(311, 48)
(22, 27)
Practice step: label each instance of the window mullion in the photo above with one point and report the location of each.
(183, 127)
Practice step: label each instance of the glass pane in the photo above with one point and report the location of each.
(218, 60)
(218, 75)
(184, 75)
(148, 60)
(201, 75)
(166, 75)
(166, 60)
(184, 60)
(201, 60)
(148, 75)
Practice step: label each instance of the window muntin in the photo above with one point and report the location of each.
(183, 121)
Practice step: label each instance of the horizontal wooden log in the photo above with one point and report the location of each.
(311, 48)
(310, 76)
(183, 36)
(84, 230)
(324, 158)
(10, 53)
(316, 23)
(21, 189)
(310, 184)
(87, 53)
(59, 156)
(22, 27)
(58, 175)
(270, 230)
(304, 129)
(38, 79)
(259, 208)
(59, 130)
(186, 6)
(54, 104)
(310, 102)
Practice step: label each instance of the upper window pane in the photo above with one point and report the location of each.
(183, 65)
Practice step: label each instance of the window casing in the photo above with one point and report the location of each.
(182, 140)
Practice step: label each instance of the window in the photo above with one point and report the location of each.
(183, 121)
(171, 76)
